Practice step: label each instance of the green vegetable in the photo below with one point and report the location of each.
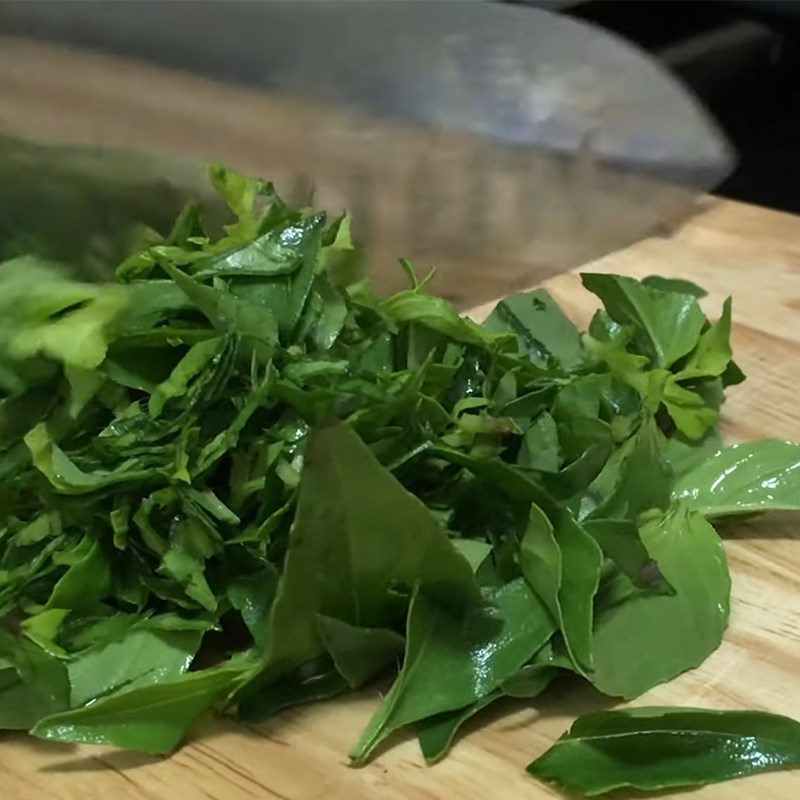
(437, 733)
(744, 479)
(652, 637)
(359, 653)
(238, 480)
(152, 718)
(357, 535)
(562, 564)
(33, 684)
(660, 748)
(453, 659)
(666, 323)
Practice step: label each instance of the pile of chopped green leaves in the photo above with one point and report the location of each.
(238, 480)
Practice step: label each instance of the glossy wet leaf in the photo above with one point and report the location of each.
(153, 718)
(744, 479)
(661, 748)
(437, 734)
(453, 659)
(650, 638)
(679, 285)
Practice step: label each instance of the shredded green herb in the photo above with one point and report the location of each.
(237, 479)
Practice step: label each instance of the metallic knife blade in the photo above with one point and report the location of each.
(499, 143)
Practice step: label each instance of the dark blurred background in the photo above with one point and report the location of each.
(742, 58)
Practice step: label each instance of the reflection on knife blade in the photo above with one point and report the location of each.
(503, 144)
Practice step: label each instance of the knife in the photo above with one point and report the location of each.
(500, 144)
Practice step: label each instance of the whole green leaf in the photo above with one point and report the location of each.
(436, 734)
(359, 653)
(651, 638)
(454, 659)
(273, 253)
(153, 718)
(660, 748)
(357, 535)
(744, 479)
(562, 564)
(668, 324)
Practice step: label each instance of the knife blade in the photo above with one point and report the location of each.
(499, 143)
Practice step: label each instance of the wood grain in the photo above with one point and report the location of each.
(730, 248)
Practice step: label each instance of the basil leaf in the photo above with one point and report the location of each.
(153, 718)
(453, 659)
(650, 638)
(667, 324)
(143, 656)
(33, 684)
(743, 479)
(562, 564)
(541, 327)
(661, 748)
(359, 653)
(357, 535)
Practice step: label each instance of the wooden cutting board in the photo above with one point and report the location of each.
(730, 248)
